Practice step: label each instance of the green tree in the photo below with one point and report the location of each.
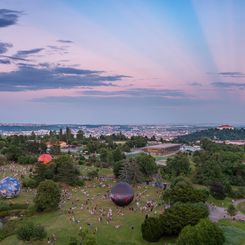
(217, 190)
(80, 135)
(181, 215)
(117, 168)
(131, 172)
(173, 220)
(48, 196)
(179, 193)
(147, 164)
(117, 155)
(43, 171)
(12, 152)
(65, 170)
(178, 165)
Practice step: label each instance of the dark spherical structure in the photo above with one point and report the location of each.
(122, 194)
(9, 187)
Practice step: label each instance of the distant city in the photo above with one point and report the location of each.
(165, 132)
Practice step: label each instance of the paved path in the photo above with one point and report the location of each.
(217, 213)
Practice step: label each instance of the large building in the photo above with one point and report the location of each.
(225, 126)
(162, 149)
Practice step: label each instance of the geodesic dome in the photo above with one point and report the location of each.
(45, 158)
(122, 194)
(9, 187)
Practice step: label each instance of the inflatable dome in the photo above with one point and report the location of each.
(122, 194)
(45, 158)
(9, 187)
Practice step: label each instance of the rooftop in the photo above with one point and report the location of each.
(161, 146)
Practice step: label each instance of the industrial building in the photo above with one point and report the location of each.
(162, 149)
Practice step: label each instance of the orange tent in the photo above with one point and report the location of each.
(45, 158)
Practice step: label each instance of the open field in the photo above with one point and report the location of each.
(234, 232)
(95, 193)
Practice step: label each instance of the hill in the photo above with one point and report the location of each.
(213, 133)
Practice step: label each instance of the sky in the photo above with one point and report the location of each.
(122, 61)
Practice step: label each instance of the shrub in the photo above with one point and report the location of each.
(48, 196)
(151, 229)
(93, 173)
(28, 232)
(88, 238)
(238, 193)
(231, 210)
(73, 241)
(204, 233)
(8, 229)
(29, 182)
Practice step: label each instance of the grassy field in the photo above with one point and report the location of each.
(61, 224)
(221, 203)
(234, 232)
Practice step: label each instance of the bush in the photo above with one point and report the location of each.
(48, 196)
(237, 193)
(93, 174)
(231, 210)
(8, 229)
(204, 233)
(29, 182)
(11, 206)
(151, 229)
(88, 238)
(73, 241)
(28, 232)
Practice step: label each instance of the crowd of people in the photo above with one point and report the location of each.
(94, 201)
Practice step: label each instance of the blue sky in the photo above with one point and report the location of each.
(124, 61)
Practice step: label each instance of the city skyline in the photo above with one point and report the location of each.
(122, 62)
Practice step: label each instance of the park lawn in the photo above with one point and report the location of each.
(60, 224)
(241, 207)
(102, 171)
(221, 203)
(234, 232)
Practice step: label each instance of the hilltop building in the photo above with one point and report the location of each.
(225, 126)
